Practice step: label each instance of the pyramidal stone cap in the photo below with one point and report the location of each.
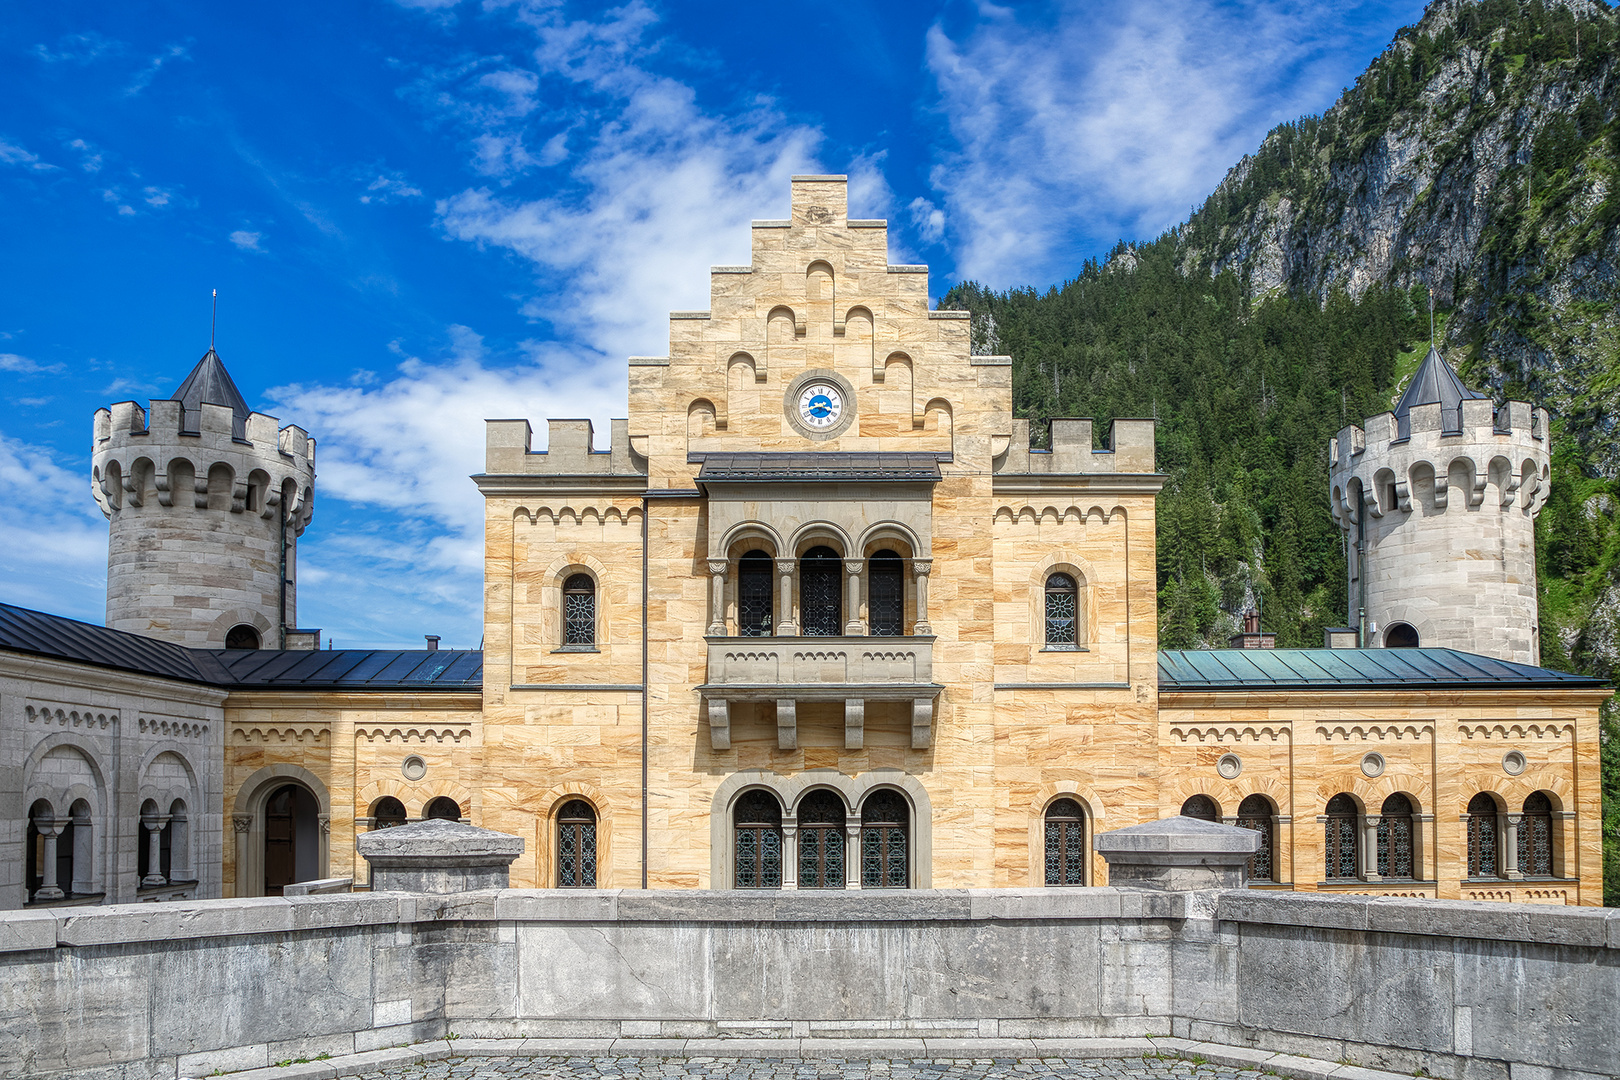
(436, 856)
(1178, 854)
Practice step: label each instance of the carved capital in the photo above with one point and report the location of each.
(785, 567)
(853, 567)
(241, 822)
(921, 567)
(326, 824)
(718, 567)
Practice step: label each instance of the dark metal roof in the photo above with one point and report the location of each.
(826, 465)
(1350, 669)
(210, 383)
(1434, 383)
(40, 634)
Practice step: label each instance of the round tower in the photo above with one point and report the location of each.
(1438, 501)
(205, 501)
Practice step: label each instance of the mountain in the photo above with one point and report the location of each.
(1478, 155)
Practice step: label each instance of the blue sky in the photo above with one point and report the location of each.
(419, 214)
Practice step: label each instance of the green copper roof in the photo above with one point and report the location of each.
(1350, 669)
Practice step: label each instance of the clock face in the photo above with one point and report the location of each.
(820, 405)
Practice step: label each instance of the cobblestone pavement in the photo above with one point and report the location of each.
(719, 1068)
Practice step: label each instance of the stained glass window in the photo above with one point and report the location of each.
(1065, 843)
(1395, 838)
(759, 841)
(576, 846)
(1343, 819)
(579, 610)
(1254, 813)
(1535, 837)
(1201, 807)
(886, 598)
(1482, 836)
(755, 607)
(884, 848)
(1062, 612)
(821, 841)
(821, 592)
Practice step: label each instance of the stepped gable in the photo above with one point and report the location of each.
(209, 383)
(1434, 384)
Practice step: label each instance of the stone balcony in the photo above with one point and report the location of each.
(788, 670)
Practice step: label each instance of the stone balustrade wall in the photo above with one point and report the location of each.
(1459, 990)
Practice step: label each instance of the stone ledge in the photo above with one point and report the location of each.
(1535, 924)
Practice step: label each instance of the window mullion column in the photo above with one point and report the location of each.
(717, 596)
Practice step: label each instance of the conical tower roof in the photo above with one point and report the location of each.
(209, 382)
(1433, 383)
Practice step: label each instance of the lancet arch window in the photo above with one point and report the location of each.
(758, 841)
(576, 845)
(821, 841)
(1482, 845)
(821, 591)
(1062, 612)
(1065, 843)
(579, 611)
(1341, 826)
(1535, 836)
(885, 846)
(1395, 850)
(1201, 807)
(886, 596)
(1254, 812)
(756, 610)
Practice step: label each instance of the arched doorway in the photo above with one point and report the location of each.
(292, 843)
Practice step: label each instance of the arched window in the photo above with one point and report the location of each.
(886, 594)
(242, 636)
(1535, 836)
(443, 808)
(821, 592)
(755, 605)
(579, 610)
(387, 812)
(1482, 837)
(758, 841)
(50, 854)
(576, 845)
(1343, 818)
(1065, 843)
(1400, 636)
(1395, 838)
(1201, 807)
(821, 841)
(1254, 813)
(885, 854)
(1062, 612)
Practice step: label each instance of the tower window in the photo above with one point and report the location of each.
(1062, 611)
(242, 637)
(886, 598)
(755, 606)
(579, 610)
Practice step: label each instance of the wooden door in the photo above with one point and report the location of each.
(280, 841)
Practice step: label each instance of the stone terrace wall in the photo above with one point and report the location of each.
(1467, 991)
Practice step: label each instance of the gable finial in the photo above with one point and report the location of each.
(213, 320)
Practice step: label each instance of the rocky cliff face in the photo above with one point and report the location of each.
(1479, 155)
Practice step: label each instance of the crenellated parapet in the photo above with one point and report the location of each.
(1488, 457)
(570, 450)
(1127, 448)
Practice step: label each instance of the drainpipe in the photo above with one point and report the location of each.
(282, 610)
(644, 707)
(1361, 569)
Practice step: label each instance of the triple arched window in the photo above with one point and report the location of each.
(818, 849)
(579, 610)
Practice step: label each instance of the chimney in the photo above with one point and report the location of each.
(433, 642)
(1252, 636)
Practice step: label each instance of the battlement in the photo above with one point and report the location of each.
(1128, 448)
(126, 424)
(570, 450)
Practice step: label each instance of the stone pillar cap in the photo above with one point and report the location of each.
(439, 842)
(1178, 839)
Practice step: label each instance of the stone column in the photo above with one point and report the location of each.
(785, 626)
(717, 597)
(790, 853)
(49, 829)
(852, 612)
(919, 572)
(852, 854)
(154, 850)
(248, 872)
(1508, 863)
(1369, 847)
(1178, 854)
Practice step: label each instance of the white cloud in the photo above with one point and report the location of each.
(1077, 121)
(79, 49)
(390, 187)
(247, 241)
(157, 196)
(13, 154)
(53, 540)
(143, 78)
(21, 365)
(90, 161)
(927, 219)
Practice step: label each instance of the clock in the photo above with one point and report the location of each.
(820, 405)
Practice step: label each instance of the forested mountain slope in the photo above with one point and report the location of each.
(1480, 153)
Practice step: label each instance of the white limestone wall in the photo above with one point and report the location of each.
(71, 733)
(1448, 524)
(194, 541)
(1459, 991)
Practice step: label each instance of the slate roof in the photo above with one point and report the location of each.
(209, 382)
(1435, 383)
(828, 465)
(41, 634)
(1350, 669)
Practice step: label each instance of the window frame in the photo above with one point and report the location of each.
(575, 585)
(1389, 825)
(1065, 825)
(1531, 821)
(834, 840)
(579, 829)
(1484, 832)
(762, 832)
(881, 835)
(1335, 843)
(1049, 591)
